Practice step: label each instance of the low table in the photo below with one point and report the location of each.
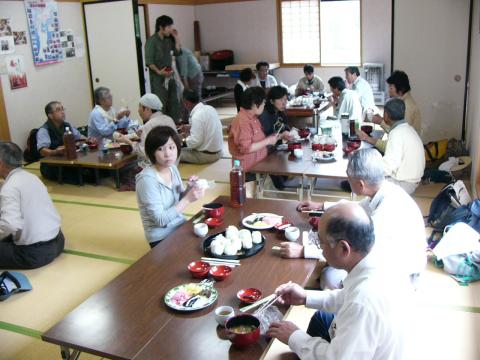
(128, 318)
(113, 160)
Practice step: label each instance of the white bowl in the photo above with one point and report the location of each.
(298, 153)
(223, 313)
(292, 233)
(200, 229)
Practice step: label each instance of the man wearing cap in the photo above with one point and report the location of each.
(30, 234)
(150, 110)
(204, 143)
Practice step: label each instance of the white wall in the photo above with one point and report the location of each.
(66, 81)
(250, 30)
(473, 122)
(183, 17)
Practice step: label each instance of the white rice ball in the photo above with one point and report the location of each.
(230, 249)
(256, 237)
(231, 232)
(217, 248)
(247, 243)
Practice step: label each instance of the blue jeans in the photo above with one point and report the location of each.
(319, 325)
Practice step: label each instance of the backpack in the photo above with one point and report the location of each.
(31, 154)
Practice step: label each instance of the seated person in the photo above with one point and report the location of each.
(104, 121)
(50, 142)
(399, 226)
(246, 77)
(150, 110)
(309, 83)
(370, 318)
(263, 78)
(361, 86)
(29, 223)
(204, 143)
(344, 101)
(246, 139)
(161, 195)
(398, 86)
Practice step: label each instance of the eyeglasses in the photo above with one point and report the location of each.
(59, 109)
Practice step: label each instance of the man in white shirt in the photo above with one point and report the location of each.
(361, 86)
(370, 318)
(29, 223)
(263, 79)
(399, 227)
(404, 159)
(204, 144)
(150, 110)
(344, 101)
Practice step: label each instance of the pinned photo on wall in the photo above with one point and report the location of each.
(5, 28)
(7, 45)
(20, 37)
(16, 72)
(67, 40)
(79, 47)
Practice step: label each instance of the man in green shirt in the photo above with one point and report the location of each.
(158, 57)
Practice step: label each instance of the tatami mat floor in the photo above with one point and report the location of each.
(104, 235)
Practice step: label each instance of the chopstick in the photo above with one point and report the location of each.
(259, 302)
(267, 305)
(221, 260)
(213, 263)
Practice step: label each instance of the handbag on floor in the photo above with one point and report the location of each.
(12, 282)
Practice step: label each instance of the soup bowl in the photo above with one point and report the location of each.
(199, 269)
(244, 330)
(367, 129)
(214, 210)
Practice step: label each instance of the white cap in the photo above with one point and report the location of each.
(151, 101)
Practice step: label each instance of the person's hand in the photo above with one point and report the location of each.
(282, 330)
(60, 150)
(272, 139)
(121, 114)
(165, 71)
(291, 294)
(308, 205)
(194, 193)
(286, 136)
(291, 250)
(139, 132)
(192, 180)
(362, 135)
(175, 34)
(377, 119)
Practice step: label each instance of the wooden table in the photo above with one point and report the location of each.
(113, 160)
(128, 319)
(306, 111)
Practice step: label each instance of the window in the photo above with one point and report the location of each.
(325, 32)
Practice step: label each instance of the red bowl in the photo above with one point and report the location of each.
(93, 146)
(199, 269)
(354, 144)
(214, 210)
(220, 272)
(367, 129)
(214, 222)
(126, 148)
(317, 147)
(282, 226)
(329, 147)
(239, 338)
(303, 133)
(294, 145)
(249, 295)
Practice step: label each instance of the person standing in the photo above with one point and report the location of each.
(159, 49)
(190, 71)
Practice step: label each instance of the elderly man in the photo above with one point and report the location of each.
(399, 226)
(309, 83)
(370, 318)
(104, 121)
(204, 143)
(361, 86)
(263, 79)
(29, 223)
(158, 57)
(398, 86)
(344, 101)
(150, 110)
(50, 141)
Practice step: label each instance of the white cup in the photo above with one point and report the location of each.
(223, 313)
(298, 153)
(292, 233)
(200, 229)
(370, 115)
(201, 183)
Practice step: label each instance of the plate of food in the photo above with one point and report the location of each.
(323, 156)
(233, 244)
(191, 296)
(112, 146)
(261, 221)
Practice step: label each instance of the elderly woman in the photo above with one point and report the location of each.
(161, 195)
(104, 121)
(246, 139)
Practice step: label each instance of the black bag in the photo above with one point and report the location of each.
(31, 154)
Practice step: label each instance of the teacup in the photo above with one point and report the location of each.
(298, 153)
(200, 229)
(223, 313)
(292, 233)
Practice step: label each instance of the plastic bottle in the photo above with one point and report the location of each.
(69, 143)
(237, 185)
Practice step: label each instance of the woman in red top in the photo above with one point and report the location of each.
(246, 140)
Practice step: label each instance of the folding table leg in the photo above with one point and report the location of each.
(80, 176)
(68, 354)
(60, 174)
(117, 178)
(97, 176)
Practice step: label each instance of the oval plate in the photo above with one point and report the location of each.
(247, 221)
(202, 303)
(242, 254)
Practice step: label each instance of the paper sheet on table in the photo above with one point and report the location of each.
(460, 239)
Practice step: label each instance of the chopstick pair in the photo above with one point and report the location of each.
(215, 261)
(267, 305)
(257, 303)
